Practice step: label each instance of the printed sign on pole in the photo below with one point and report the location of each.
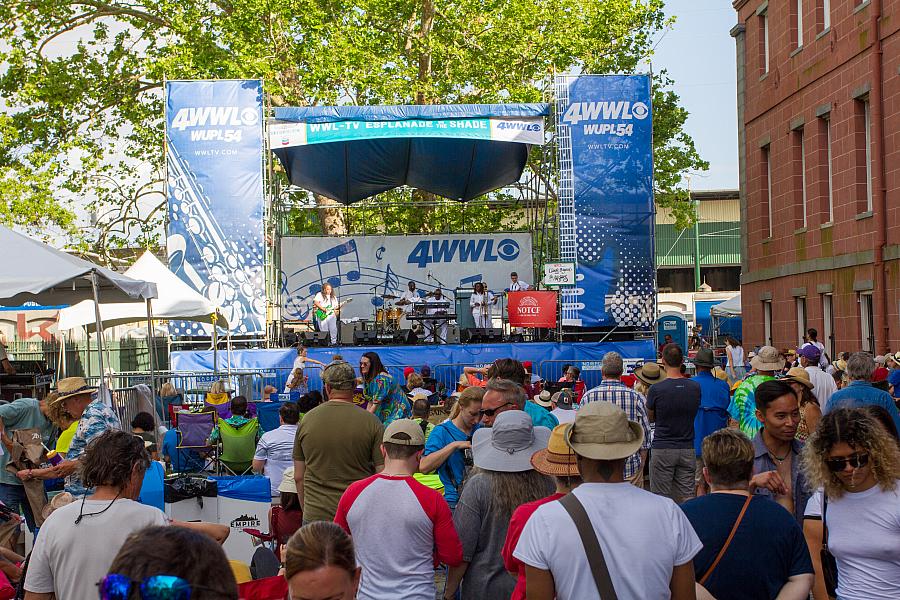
(559, 274)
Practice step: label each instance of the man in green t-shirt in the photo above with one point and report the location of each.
(337, 443)
(24, 413)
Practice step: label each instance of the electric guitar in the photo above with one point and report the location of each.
(324, 314)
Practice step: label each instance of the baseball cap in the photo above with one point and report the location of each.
(880, 374)
(810, 353)
(414, 434)
(339, 375)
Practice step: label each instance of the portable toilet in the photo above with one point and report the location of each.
(673, 324)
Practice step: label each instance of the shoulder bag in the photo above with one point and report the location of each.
(727, 543)
(829, 564)
(591, 546)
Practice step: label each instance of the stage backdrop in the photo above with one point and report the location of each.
(610, 121)
(365, 268)
(214, 155)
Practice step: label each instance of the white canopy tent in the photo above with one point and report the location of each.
(32, 271)
(729, 308)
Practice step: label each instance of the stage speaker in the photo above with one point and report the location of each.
(291, 339)
(482, 335)
(312, 339)
(365, 338)
(453, 334)
(406, 337)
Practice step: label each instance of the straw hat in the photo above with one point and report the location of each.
(287, 482)
(650, 373)
(71, 387)
(720, 374)
(508, 445)
(543, 399)
(799, 375)
(840, 364)
(767, 359)
(557, 458)
(58, 501)
(602, 431)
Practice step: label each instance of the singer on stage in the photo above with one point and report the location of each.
(480, 303)
(325, 312)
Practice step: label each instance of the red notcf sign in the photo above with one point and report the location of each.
(532, 309)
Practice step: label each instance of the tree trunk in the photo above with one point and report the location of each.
(331, 216)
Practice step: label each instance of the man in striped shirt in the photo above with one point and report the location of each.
(612, 390)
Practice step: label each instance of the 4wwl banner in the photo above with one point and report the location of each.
(214, 157)
(367, 268)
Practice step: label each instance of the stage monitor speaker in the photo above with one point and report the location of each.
(312, 339)
(406, 337)
(481, 335)
(365, 338)
(291, 339)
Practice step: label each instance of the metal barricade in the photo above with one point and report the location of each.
(126, 404)
(552, 370)
(449, 374)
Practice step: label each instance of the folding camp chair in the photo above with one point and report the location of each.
(267, 413)
(194, 431)
(221, 403)
(270, 588)
(238, 447)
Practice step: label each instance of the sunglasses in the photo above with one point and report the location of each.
(156, 587)
(490, 412)
(856, 461)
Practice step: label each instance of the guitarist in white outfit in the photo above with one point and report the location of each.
(325, 305)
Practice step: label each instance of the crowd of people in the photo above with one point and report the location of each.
(773, 479)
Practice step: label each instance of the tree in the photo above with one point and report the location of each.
(87, 122)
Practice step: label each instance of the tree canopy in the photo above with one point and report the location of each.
(83, 125)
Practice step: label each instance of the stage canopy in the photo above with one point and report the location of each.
(175, 300)
(458, 151)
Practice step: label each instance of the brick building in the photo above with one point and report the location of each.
(819, 137)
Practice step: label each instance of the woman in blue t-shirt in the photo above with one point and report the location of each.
(446, 446)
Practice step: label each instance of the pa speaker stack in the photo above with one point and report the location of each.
(365, 338)
(482, 335)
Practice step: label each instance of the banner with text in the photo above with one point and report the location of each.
(532, 309)
(368, 268)
(214, 155)
(610, 122)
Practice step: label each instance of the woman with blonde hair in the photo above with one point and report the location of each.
(855, 514)
(320, 559)
(445, 449)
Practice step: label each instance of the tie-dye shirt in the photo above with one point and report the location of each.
(743, 405)
(97, 419)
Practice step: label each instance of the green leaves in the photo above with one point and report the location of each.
(83, 82)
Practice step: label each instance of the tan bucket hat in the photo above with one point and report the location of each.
(799, 375)
(767, 359)
(602, 431)
(650, 373)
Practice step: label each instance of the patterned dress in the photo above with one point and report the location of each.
(391, 403)
(96, 419)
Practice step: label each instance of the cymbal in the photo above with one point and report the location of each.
(389, 296)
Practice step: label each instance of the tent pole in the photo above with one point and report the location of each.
(215, 342)
(95, 284)
(151, 351)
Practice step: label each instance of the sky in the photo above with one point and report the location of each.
(699, 55)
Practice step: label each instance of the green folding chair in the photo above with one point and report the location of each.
(238, 447)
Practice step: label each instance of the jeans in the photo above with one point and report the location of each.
(14, 497)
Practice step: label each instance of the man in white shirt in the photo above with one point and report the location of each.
(5, 365)
(409, 298)
(563, 406)
(823, 383)
(438, 327)
(812, 337)
(647, 541)
(516, 284)
(274, 451)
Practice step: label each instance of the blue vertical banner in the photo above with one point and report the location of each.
(214, 158)
(609, 121)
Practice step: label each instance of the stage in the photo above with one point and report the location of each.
(445, 361)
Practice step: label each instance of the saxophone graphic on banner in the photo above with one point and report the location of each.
(215, 231)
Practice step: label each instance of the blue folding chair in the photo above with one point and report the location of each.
(267, 413)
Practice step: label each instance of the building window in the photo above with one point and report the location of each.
(828, 324)
(767, 189)
(767, 321)
(797, 23)
(828, 175)
(801, 319)
(825, 20)
(867, 323)
(800, 177)
(764, 41)
(868, 154)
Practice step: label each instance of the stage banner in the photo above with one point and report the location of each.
(610, 124)
(364, 269)
(532, 309)
(214, 156)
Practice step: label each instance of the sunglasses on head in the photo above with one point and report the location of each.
(156, 587)
(856, 461)
(490, 412)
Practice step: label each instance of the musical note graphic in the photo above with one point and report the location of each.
(470, 280)
(332, 259)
